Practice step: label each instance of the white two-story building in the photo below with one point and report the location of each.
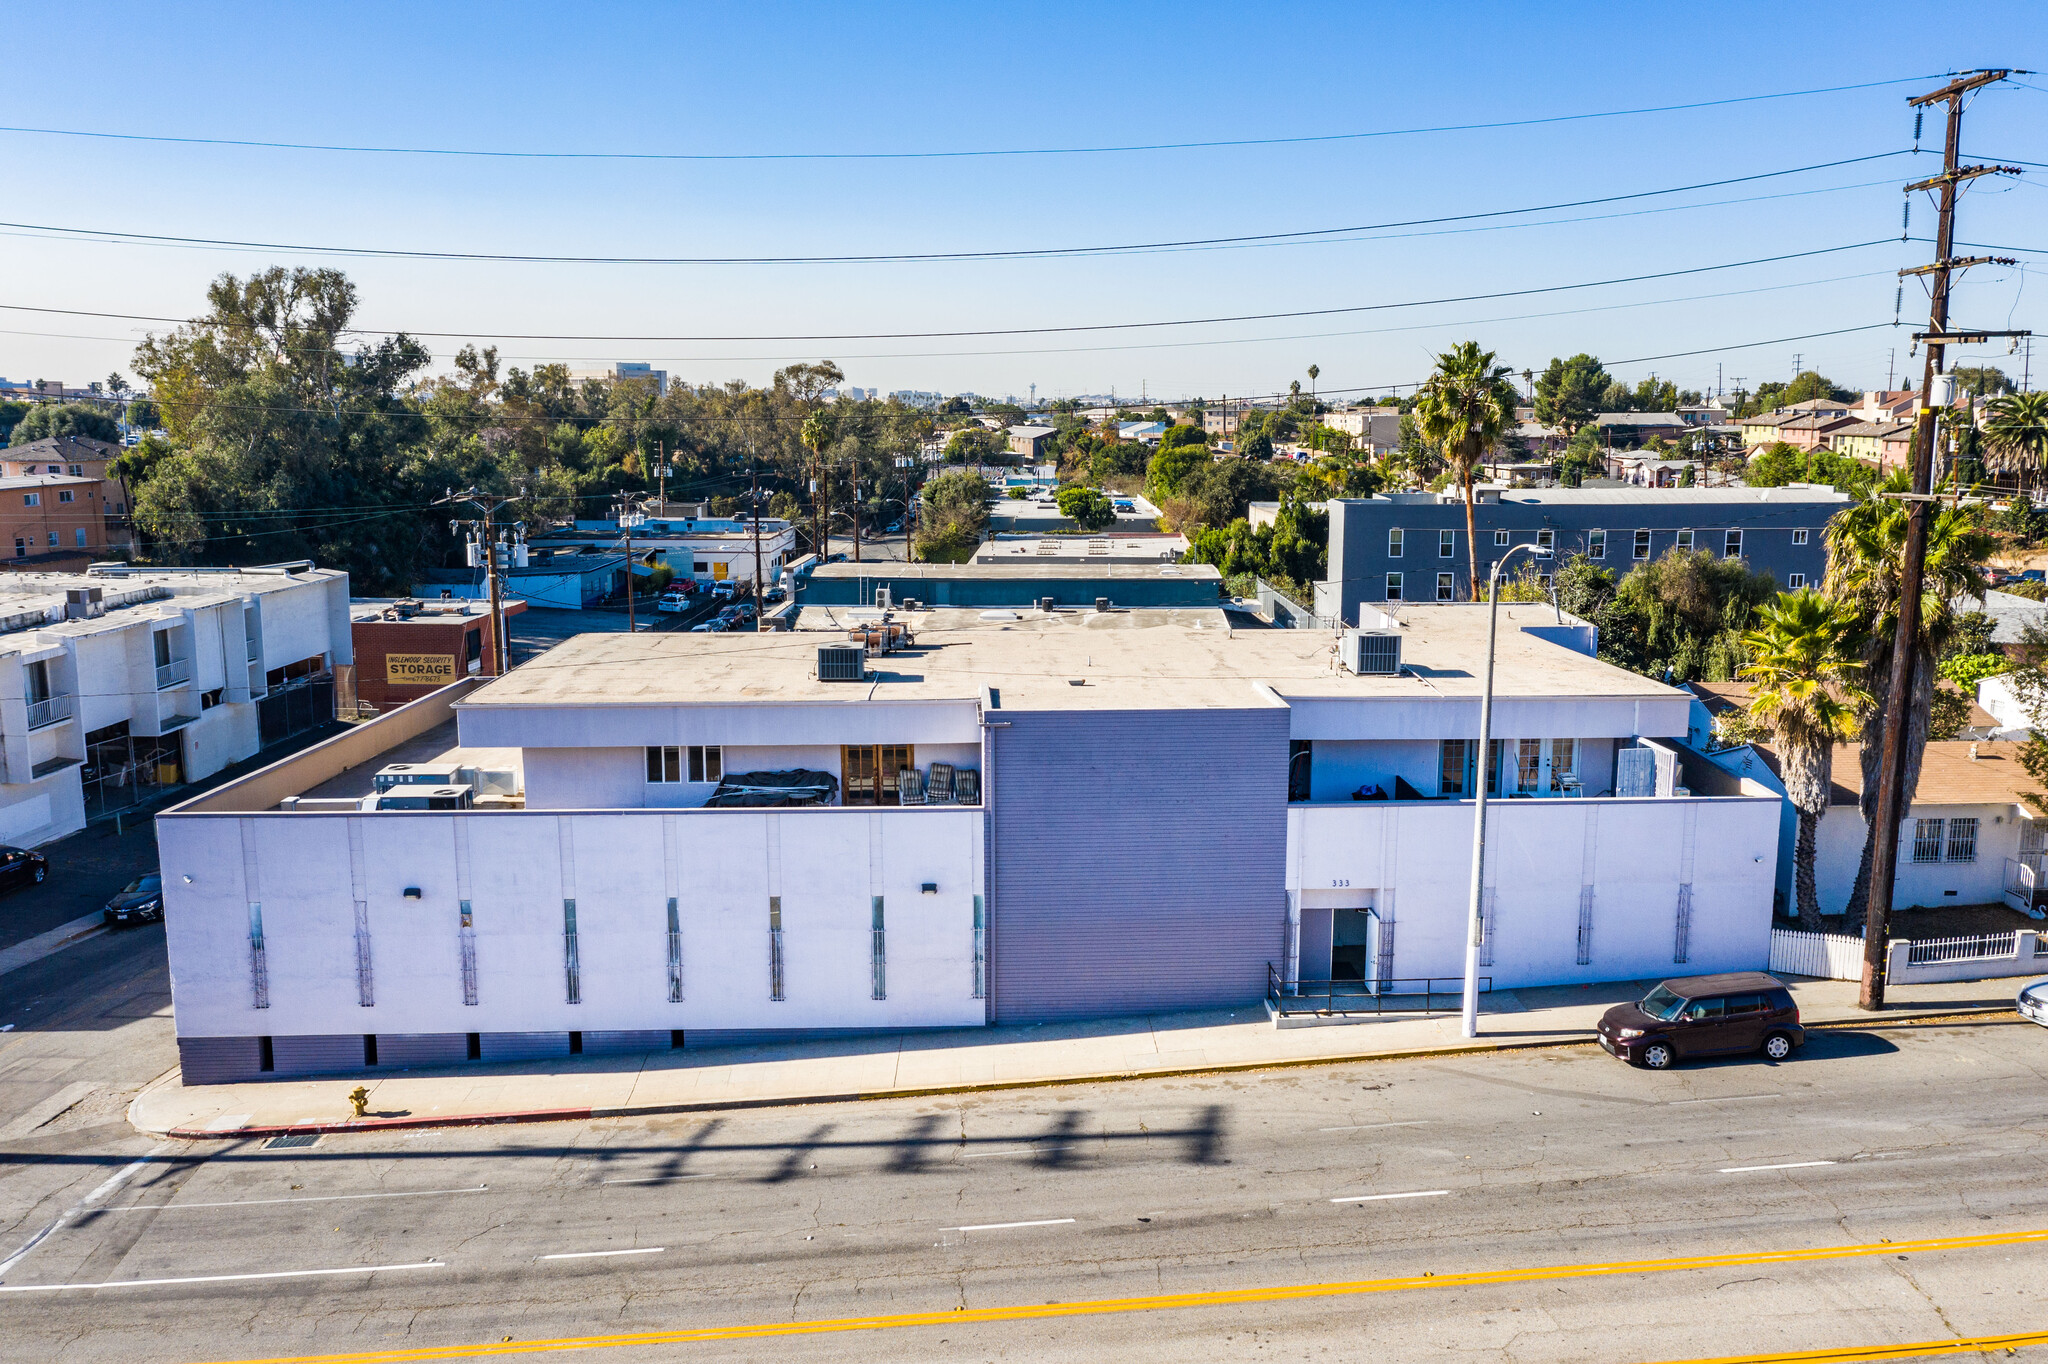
(118, 682)
(1010, 816)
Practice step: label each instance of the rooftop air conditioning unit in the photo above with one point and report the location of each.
(1373, 653)
(83, 603)
(842, 663)
(881, 599)
(1102, 603)
(1047, 603)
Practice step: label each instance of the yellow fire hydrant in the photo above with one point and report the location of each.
(359, 1100)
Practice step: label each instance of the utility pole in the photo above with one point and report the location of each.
(1890, 810)
(488, 504)
(754, 501)
(856, 500)
(661, 473)
(623, 506)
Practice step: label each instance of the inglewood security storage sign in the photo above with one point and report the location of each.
(419, 670)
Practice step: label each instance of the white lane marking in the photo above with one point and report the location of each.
(600, 1254)
(1720, 1099)
(1371, 1126)
(214, 1278)
(1005, 1226)
(1382, 1197)
(1788, 1165)
(658, 1179)
(111, 1183)
(322, 1198)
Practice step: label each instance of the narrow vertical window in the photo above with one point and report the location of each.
(1927, 839)
(1446, 544)
(1642, 550)
(879, 952)
(571, 961)
(1393, 587)
(259, 967)
(1446, 587)
(675, 953)
(775, 949)
(465, 934)
(1683, 539)
(980, 951)
(1564, 764)
(1394, 542)
(1734, 544)
(1596, 544)
(1528, 763)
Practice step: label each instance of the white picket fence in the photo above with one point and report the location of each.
(1830, 956)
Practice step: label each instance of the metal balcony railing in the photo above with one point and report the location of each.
(50, 711)
(172, 673)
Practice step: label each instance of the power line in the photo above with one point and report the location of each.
(500, 154)
(109, 236)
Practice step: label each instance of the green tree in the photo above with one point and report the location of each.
(1177, 436)
(1981, 381)
(2015, 436)
(976, 445)
(1682, 616)
(1806, 672)
(1568, 392)
(954, 515)
(1170, 468)
(45, 420)
(1866, 548)
(1464, 406)
(1088, 508)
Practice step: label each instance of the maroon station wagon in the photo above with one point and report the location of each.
(1741, 1011)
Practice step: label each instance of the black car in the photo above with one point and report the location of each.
(1741, 1011)
(141, 901)
(21, 867)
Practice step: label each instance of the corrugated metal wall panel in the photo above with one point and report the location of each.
(616, 1042)
(422, 1048)
(219, 1060)
(524, 1046)
(1140, 860)
(317, 1055)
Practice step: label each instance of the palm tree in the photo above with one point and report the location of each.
(2016, 433)
(1866, 545)
(816, 433)
(1463, 407)
(1806, 672)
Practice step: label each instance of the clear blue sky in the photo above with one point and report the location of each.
(791, 78)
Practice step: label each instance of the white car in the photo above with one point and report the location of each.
(2033, 1002)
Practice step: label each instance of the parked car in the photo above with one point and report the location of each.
(722, 591)
(773, 595)
(1742, 1011)
(2033, 1002)
(893, 528)
(2034, 575)
(1123, 504)
(714, 625)
(20, 867)
(676, 596)
(141, 901)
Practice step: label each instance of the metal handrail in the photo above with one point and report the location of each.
(172, 673)
(49, 711)
(1387, 994)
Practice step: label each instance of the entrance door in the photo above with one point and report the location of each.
(1316, 926)
(1350, 944)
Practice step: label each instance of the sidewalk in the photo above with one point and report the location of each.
(916, 1064)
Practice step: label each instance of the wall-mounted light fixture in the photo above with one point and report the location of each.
(930, 887)
(187, 880)
(412, 892)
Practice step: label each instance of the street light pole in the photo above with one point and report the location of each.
(1481, 768)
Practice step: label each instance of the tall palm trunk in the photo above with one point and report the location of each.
(1918, 716)
(1471, 537)
(1804, 888)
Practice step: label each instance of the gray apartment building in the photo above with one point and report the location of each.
(1411, 546)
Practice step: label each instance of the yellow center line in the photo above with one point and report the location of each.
(1167, 1302)
(1911, 1350)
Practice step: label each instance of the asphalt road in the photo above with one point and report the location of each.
(1274, 1202)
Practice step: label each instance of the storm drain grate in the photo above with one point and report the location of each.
(293, 1141)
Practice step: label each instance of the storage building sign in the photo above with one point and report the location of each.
(419, 670)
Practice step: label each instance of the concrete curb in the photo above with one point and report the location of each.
(1971, 1014)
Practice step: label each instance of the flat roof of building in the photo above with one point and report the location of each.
(36, 601)
(1070, 660)
(1016, 571)
(431, 610)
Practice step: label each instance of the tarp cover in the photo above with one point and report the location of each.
(797, 787)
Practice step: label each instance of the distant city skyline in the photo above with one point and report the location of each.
(750, 83)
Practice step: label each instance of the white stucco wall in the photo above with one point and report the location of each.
(722, 865)
(1414, 859)
(1920, 885)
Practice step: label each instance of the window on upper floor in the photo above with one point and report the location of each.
(65, 495)
(1795, 581)
(1733, 544)
(31, 499)
(707, 763)
(1500, 537)
(664, 764)
(76, 470)
(1450, 780)
(1446, 544)
(1528, 763)
(1393, 587)
(1393, 542)
(1683, 539)
(1596, 544)
(1642, 544)
(1546, 538)
(1446, 587)
(160, 641)
(1799, 535)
